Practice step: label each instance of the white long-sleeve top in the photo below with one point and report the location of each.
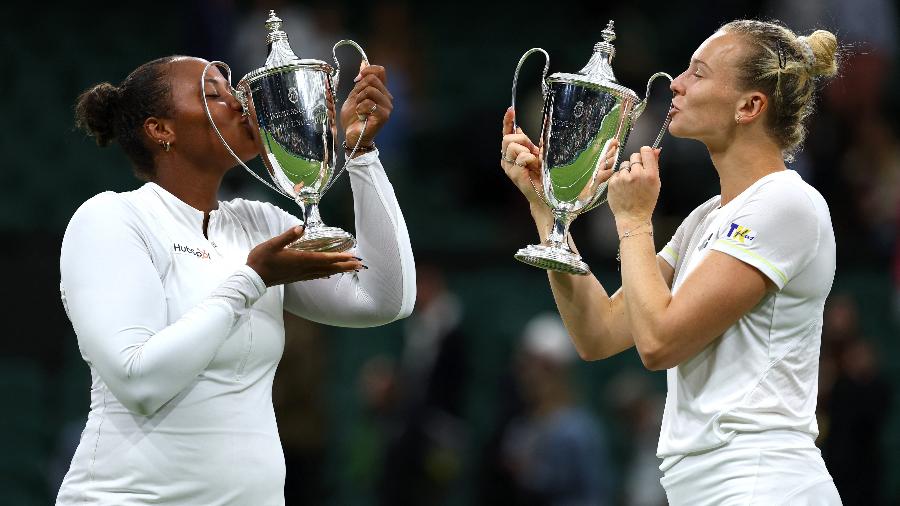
(183, 338)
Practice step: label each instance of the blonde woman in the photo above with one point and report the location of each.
(732, 305)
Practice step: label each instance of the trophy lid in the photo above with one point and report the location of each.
(599, 68)
(281, 57)
(598, 71)
(280, 52)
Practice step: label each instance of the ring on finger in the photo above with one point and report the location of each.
(372, 110)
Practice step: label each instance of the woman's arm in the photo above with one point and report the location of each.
(670, 328)
(597, 323)
(386, 290)
(115, 300)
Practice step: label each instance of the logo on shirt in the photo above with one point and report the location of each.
(187, 250)
(741, 234)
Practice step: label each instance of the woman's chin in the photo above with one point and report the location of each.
(679, 132)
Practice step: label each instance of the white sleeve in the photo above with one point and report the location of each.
(384, 292)
(670, 251)
(776, 231)
(115, 299)
(676, 246)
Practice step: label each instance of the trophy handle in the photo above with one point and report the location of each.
(336, 77)
(243, 99)
(544, 88)
(337, 64)
(642, 105)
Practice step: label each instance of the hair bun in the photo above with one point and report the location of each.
(824, 47)
(96, 110)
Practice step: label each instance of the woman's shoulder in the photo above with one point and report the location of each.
(786, 193)
(104, 205)
(703, 209)
(260, 215)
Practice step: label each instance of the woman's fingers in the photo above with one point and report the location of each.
(282, 240)
(519, 139)
(373, 101)
(508, 117)
(650, 160)
(526, 159)
(376, 71)
(367, 82)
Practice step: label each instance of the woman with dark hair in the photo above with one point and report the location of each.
(732, 305)
(177, 298)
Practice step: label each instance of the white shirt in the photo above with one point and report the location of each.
(182, 338)
(762, 373)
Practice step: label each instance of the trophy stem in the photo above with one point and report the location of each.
(311, 217)
(316, 235)
(555, 254)
(559, 233)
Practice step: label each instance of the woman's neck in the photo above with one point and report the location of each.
(741, 164)
(194, 187)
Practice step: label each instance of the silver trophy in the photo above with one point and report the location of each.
(587, 117)
(290, 101)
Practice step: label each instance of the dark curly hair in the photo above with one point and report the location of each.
(107, 112)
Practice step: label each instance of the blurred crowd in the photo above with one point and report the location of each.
(478, 398)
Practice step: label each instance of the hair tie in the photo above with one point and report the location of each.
(808, 53)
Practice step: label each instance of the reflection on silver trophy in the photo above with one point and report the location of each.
(586, 120)
(290, 102)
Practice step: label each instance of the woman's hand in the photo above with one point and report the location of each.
(521, 160)
(276, 264)
(634, 189)
(369, 98)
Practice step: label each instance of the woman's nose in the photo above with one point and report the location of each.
(677, 85)
(233, 101)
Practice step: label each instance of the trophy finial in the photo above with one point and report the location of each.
(280, 52)
(609, 33)
(599, 68)
(273, 24)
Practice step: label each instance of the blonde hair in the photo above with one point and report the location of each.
(787, 68)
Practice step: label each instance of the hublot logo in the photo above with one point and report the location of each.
(186, 250)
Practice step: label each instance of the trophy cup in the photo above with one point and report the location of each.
(587, 117)
(290, 102)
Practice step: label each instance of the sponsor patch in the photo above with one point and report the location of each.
(187, 250)
(741, 234)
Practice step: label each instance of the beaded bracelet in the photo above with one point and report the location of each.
(359, 149)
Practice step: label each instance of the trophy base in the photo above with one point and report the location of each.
(324, 239)
(553, 259)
